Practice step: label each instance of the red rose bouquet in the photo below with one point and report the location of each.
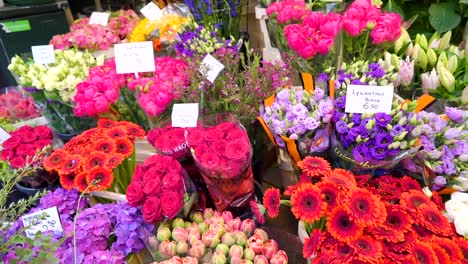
(222, 152)
(98, 159)
(169, 141)
(162, 188)
(24, 143)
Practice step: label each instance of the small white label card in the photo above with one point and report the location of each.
(42, 221)
(43, 54)
(134, 57)
(369, 99)
(151, 11)
(211, 67)
(100, 18)
(3, 135)
(185, 115)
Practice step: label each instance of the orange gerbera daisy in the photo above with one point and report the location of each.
(95, 159)
(365, 208)
(307, 203)
(133, 129)
(80, 182)
(367, 249)
(88, 134)
(105, 145)
(330, 192)
(408, 183)
(441, 254)
(314, 166)
(414, 198)
(343, 178)
(312, 244)
(450, 247)
(463, 245)
(271, 201)
(67, 181)
(397, 218)
(343, 253)
(342, 227)
(116, 132)
(55, 160)
(432, 219)
(106, 123)
(70, 164)
(100, 178)
(114, 160)
(423, 252)
(124, 146)
(389, 235)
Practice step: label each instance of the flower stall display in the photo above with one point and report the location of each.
(222, 152)
(349, 218)
(102, 233)
(162, 188)
(98, 159)
(214, 237)
(95, 37)
(16, 107)
(54, 87)
(299, 121)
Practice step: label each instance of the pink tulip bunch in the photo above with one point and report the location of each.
(214, 237)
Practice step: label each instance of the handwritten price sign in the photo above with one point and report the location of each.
(99, 18)
(369, 99)
(134, 57)
(43, 54)
(210, 68)
(42, 221)
(184, 115)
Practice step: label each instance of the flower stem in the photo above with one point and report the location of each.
(365, 45)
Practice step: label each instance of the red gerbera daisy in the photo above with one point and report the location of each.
(257, 212)
(106, 123)
(124, 146)
(441, 254)
(342, 227)
(95, 159)
(307, 203)
(408, 183)
(362, 180)
(114, 160)
(414, 198)
(100, 178)
(463, 245)
(70, 164)
(365, 208)
(367, 249)
(423, 233)
(323, 258)
(105, 145)
(343, 254)
(397, 218)
(314, 166)
(437, 199)
(386, 234)
(67, 181)
(330, 192)
(80, 182)
(343, 178)
(450, 247)
(423, 252)
(271, 201)
(116, 132)
(133, 130)
(55, 160)
(404, 246)
(291, 190)
(312, 244)
(432, 219)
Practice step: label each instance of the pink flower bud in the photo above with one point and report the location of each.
(168, 249)
(164, 233)
(178, 222)
(208, 213)
(218, 258)
(203, 227)
(196, 217)
(193, 229)
(229, 239)
(241, 238)
(279, 258)
(236, 260)
(235, 223)
(247, 226)
(175, 260)
(406, 71)
(249, 254)
(430, 81)
(236, 251)
(182, 247)
(222, 248)
(218, 228)
(260, 259)
(189, 260)
(255, 242)
(246, 261)
(261, 233)
(227, 216)
(270, 247)
(197, 250)
(179, 234)
(216, 214)
(210, 238)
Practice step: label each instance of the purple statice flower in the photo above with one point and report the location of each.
(321, 141)
(382, 119)
(341, 127)
(454, 114)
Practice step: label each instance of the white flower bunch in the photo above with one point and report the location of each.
(457, 208)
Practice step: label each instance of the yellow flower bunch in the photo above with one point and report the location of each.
(168, 26)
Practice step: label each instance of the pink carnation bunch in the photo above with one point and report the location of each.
(288, 11)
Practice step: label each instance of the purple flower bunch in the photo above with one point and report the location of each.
(373, 138)
(302, 116)
(445, 147)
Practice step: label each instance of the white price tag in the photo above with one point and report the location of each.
(3, 135)
(151, 11)
(43, 54)
(185, 115)
(99, 18)
(369, 99)
(42, 221)
(211, 67)
(134, 57)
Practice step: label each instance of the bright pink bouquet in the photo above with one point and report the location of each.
(222, 152)
(24, 143)
(169, 141)
(15, 106)
(162, 188)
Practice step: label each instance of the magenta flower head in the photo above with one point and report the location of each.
(406, 72)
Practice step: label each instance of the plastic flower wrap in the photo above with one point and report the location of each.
(214, 237)
(348, 218)
(98, 159)
(14, 106)
(168, 140)
(222, 152)
(162, 188)
(299, 117)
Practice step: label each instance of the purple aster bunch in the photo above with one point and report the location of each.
(445, 147)
(375, 140)
(302, 116)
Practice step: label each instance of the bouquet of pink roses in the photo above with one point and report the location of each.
(169, 141)
(222, 152)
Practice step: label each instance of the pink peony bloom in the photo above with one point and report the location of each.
(387, 29)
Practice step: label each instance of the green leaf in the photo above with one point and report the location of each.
(443, 17)
(464, 2)
(392, 7)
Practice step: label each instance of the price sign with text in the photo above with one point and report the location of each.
(43, 54)
(211, 67)
(3, 135)
(134, 57)
(42, 221)
(151, 11)
(369, 99)
(99, 18)
(185, 115)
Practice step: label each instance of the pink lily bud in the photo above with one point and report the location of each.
(227, 216)
(179, 234)
(260, 259)
(270, 248)
(430, 81)
(235, 223)
(228, 239)
(406, 72)
(255, 242)
(236, 251)
(236, 260)
(168, 249)
(262, 233)
(197, 250)
(241, 238)
(208, 213)
(182, 247)
(218, 258)
(279, 258)
(247, 226)
(249, 254)
(211, 238)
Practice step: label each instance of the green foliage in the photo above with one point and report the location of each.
(443, 17)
